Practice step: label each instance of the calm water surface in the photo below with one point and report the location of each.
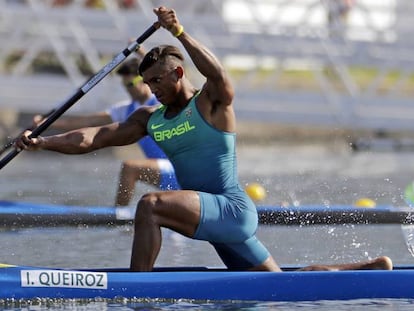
(306, 174)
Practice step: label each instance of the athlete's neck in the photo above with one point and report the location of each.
(182, 101)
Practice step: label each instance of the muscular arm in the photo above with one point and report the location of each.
(91, 138)
(88, 139)
(216, 98)
(218, 86)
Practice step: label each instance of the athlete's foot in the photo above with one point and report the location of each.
(380, 263)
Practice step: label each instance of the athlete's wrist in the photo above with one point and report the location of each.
(177, 31)
(41, 142)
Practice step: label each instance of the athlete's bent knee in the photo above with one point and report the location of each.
(145, 207)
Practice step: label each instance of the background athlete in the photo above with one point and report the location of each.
(196, 129)
(156, 169)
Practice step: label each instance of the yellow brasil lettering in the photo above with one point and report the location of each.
(176, 131)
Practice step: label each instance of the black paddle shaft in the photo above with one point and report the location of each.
(119, 58)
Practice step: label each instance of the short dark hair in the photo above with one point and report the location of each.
(129, 67)
(161, 53)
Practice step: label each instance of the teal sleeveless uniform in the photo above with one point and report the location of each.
(204, 159)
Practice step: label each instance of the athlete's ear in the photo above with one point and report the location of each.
(179, 71)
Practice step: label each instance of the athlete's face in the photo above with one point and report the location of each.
(163, 82)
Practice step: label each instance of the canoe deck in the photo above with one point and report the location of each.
(205, 284)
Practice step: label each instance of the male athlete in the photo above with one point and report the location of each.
(197, 131)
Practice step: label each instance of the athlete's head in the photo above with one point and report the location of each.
(165, 55)
(162, 69)
(129, 67)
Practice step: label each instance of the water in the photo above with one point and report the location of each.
(307, 174)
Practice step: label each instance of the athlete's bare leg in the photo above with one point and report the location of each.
(176, 210)
(380, 263)
(268, 265)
